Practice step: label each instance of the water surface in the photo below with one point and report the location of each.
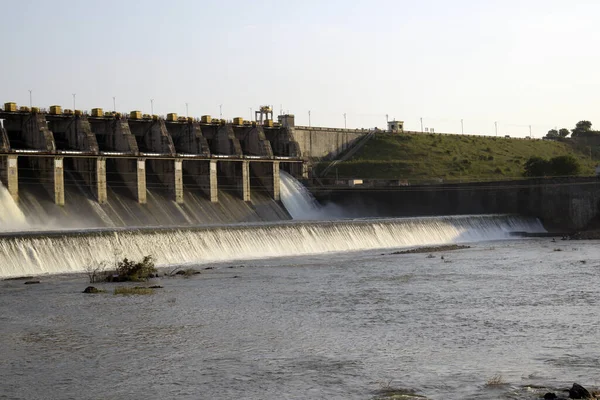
(335, 326)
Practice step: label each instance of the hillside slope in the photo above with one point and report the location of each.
(435, 157)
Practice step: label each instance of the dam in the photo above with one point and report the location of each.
(93, 169)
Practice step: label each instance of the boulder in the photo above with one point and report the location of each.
(579, 392)
(91, 289)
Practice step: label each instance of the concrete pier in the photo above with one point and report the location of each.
(141, 180)
(152, 136)
(213, 183)
(100, 182)
(114, 135)
(73, 133)
(59, 182)
(253, 141)
(242, 179)
(188, 137)
(275, 189)
(36, 134)
(178, 181)
(9, 175)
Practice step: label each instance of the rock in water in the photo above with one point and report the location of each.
(579, 392)
(91, 289)
(31, 282)
(550, 396)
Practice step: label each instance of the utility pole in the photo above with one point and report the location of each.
(462, 127)
(344, 120)
(251, 116)
(221, 111)
(496, 127)
(73, 102)
(309, 118)
(187, 115)
(421, 124)
(114, 103)
(30, 98)
(151, 106)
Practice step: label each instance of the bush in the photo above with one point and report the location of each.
(537, 166)
(565, 165)
(128, 270)
(557, 166)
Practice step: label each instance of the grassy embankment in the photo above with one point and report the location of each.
(433, 157)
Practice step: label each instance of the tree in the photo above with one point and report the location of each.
(583, 128)
(564, 132)
(552, 133)
(564, 166)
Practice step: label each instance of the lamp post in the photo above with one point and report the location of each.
(221, 111)
(186, 111)
(462, 127)
(151, 106)
(114, 103)
(421, 124)
(30, 98)
(74, 102)
(496, 127)
(344, 120)
(309, 118)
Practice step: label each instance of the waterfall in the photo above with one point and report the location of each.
(33, 253)
(301, 204)
(11, 217)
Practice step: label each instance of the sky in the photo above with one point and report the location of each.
(506, 63)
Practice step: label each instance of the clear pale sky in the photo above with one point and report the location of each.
(521, 63)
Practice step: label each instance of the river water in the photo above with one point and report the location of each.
(323, 326)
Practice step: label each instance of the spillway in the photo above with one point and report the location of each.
(36, 253)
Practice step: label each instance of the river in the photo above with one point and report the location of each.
(340, 325)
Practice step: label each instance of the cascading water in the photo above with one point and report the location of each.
(300, 203)
(11, 217)
(58, 252)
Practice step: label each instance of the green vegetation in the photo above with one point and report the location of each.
(129, 270)
(133, 290)
(582, 129)
(435, 157)
(558, 166)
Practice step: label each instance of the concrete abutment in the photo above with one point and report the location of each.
(9, 175)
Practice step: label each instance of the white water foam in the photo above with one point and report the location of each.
(59, 252)
(11, 217)
(301, 204)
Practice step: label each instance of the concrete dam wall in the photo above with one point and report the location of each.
(562, 204)
(80, 170)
